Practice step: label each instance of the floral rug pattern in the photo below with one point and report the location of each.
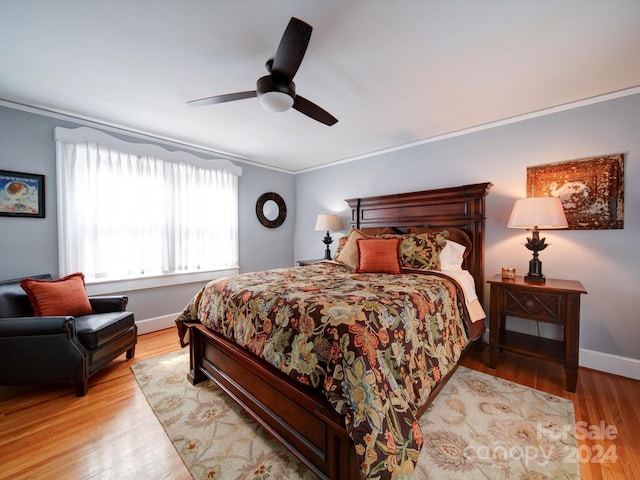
(479, 427)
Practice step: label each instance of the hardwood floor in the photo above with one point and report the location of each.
(47, 432)
(111, 433)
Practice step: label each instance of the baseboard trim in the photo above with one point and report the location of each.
(154, 324)
(606, 362)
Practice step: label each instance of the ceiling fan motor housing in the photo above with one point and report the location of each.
(274, 96)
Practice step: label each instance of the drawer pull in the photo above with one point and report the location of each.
(530, 303)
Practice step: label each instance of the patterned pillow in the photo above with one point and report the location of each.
(61, 297)
(341, 243)
(455, 235)
(421, 252)
(378, 255)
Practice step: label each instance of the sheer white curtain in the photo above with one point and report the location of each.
(125, 215)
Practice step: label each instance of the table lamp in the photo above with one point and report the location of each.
(537, 213)
(328, 222)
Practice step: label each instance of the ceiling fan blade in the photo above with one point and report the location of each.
(312, 110)
(291, 50)
(229, 97)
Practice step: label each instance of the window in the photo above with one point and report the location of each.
(128, 210)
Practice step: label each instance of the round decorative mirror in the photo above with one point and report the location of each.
(271, 210)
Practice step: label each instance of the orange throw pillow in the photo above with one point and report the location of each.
(379, 255)
(53, 298)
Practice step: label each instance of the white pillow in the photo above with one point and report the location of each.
(451, 257)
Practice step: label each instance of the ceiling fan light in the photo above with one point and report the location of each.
(275, 96)
(276, 101)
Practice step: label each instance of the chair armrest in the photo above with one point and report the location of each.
(105, 304)
(29, 326)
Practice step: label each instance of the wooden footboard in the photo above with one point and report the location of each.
(297, 416)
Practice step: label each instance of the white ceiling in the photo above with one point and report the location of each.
(393, 72)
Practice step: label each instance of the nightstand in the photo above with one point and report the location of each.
(302, 263)
(555, 301)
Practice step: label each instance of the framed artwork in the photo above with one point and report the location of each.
(21, 194)
(591, 190)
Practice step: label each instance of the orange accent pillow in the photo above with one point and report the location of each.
(61, 297)
(379, 255)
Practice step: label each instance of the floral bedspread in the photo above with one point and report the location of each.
(376, 344)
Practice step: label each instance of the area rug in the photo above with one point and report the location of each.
(478, 427)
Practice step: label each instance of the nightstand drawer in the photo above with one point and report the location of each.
(536, 305)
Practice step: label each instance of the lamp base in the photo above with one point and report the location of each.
(327, 240)
(535, 270)
(534, 278)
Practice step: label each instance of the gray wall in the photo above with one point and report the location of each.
(262, 248)
(29, 246)
(607, 262)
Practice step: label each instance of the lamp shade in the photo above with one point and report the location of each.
(328, 222)
(538, 212)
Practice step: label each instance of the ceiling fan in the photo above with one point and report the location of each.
(276, 91)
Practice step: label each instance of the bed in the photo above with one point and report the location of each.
(338, 408)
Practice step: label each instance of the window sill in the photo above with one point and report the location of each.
(127, 285)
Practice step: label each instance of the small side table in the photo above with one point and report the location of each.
(555, 301)
(302, 263)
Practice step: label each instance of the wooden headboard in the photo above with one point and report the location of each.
(460, 207)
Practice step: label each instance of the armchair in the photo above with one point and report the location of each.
(60, 349)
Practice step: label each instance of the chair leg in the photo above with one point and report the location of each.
(82, 388)
(131, 352)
